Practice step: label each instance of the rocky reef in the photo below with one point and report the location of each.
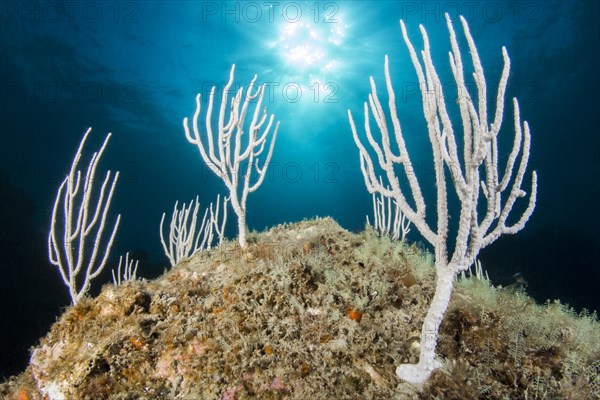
(309, 311)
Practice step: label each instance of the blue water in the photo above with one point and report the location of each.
(134, 69)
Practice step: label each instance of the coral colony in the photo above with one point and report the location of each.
(478, 172)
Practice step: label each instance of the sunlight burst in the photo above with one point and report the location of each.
(310, 47)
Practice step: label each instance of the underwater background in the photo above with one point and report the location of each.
(133, 68)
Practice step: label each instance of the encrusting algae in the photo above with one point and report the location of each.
(309, 311)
